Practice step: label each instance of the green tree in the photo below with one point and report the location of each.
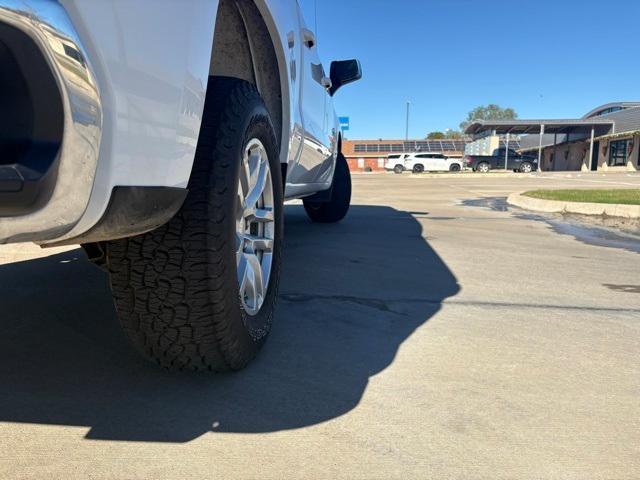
(489, 112)
(448, 134)
(454, 134)
(435, 135)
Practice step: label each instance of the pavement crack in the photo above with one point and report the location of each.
(386, 304)
(377, 304)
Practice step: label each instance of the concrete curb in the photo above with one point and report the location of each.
(554, 206)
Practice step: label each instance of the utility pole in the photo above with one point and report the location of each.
(406, 135)
(506, 155)
(540, 148)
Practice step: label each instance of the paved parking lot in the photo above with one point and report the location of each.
(434, 334)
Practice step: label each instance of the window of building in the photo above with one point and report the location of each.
(618, 153)
(607, 111)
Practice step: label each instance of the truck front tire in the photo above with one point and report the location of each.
(337, 208)
(195, 294)
(483, 167)
(526, 167)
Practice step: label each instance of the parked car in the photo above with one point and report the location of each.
(395, 162)
(431, 162)
(517, 162)
(164, 137)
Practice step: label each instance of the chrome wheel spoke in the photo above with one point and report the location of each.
(258, 244)
(261, 215)
(257, 186)
(242, 272)
(251, 285)
(245, 179)
(255, 280)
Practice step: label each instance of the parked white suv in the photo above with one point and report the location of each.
(395, 162)
(432, 162)
(164, 138)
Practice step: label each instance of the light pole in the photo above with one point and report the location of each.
(406, 134)
(506, 155)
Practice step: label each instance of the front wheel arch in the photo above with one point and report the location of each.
(246, 36)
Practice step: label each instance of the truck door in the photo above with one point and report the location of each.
(291, 28)
(316, 153)
(498, 158)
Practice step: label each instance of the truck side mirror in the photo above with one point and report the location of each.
(344, 72)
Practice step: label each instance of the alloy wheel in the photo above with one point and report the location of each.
(255, 227)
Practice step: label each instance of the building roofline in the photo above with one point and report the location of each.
(611, 105)
(520, 127)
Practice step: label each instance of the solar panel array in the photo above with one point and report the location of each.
(420, 146)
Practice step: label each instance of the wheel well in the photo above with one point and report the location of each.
(243, 48)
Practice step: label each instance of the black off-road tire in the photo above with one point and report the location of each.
(454, 168)
(175, 288)
(398, 169)
(337, 208)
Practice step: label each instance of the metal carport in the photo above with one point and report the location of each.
(587, 126)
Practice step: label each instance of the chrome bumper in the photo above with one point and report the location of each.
(47, 24)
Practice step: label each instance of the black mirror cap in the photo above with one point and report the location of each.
(344, 72)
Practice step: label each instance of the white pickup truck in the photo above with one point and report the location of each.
(164, 137)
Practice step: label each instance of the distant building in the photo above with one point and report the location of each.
(615, 150)
(565, 144)
(371, 155)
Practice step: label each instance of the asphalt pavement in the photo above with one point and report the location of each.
(435, 333)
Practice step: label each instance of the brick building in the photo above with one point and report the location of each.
(370, 155)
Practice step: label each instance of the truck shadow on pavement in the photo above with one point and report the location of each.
(351, 294)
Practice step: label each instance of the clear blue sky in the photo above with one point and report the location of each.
(545, 58)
